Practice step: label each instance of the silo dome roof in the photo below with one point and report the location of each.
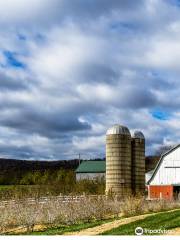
(118, 129)
(138, 134)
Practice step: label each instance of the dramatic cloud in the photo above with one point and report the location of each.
(71, 69)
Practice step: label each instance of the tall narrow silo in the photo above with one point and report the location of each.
(118, 160)
(138, 162)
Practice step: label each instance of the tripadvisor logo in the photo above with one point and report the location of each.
(139, 231)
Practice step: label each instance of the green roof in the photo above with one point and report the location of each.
(92, 167)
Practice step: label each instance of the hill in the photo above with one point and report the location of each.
(26, 165)
(13, 170)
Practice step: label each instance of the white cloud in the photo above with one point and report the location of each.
(88, 65)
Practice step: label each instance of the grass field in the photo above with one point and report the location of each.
(25, 191)
(6, 187)
(163, 221)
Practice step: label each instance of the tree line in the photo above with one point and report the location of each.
(48, 182)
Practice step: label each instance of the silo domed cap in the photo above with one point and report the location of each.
(138, 134)
(118, 129)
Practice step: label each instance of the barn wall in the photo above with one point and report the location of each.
(161, 192)
(169, 171)
(90, 176)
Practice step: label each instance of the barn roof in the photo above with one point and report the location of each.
(92, 167)
(160, 161)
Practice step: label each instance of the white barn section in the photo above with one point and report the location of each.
(165, 180)
(167, 171)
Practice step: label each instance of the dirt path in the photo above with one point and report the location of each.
(106, 226)
(174, 231)
(110, 225)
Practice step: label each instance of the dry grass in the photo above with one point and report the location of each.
(139, 205)
(55, 212)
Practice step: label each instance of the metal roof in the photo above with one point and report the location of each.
(118, 129)
(92, 167)
(160, 161)
(138, 134)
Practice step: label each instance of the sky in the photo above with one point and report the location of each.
(70, 69)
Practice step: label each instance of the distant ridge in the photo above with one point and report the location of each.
(34, 165)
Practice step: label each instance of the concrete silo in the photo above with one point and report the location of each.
(118, 160)
(138, 162)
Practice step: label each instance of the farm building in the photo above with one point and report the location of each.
(165, 180)
(91, 170)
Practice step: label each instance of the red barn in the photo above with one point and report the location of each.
(165, 180)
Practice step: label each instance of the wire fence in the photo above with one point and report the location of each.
(44, 200)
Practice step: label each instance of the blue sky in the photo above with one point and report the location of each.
(158, 114)
(69, 75)
(11, 59)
